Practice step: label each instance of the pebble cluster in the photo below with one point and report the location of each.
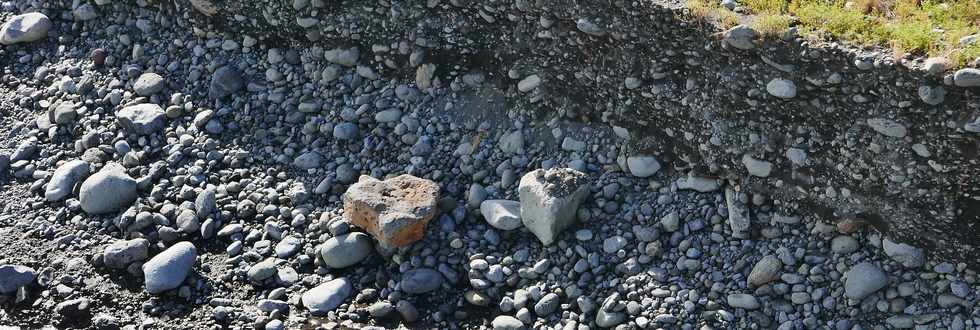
(176, 177)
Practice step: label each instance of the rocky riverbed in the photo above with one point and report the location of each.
(163, 168)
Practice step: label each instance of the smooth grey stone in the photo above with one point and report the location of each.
(327, 296)
(108, 190)
(781, 88)
(421, 280)
(505, 322)
(345, 250)
(63, 180)
(967, 77)
(864, 279)
(168, 269)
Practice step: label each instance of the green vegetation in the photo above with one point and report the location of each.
(845, 24)
(705, 9)
(771, 25)
(767, 7)
(922, 27)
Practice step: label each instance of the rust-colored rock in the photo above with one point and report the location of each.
(850, 225)
(394, 211)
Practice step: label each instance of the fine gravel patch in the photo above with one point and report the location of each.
(461, 164)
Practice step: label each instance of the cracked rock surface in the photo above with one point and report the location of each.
(395, 210)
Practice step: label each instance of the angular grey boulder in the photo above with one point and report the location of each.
(108, 190)
(142, 119)
(741, 37)
(64, 179)
(907, 255)
(424, 75)
(168, 269)
(225, 81)
(327, 296)
(63, 114)
(308, 160)
(765, 271)
(187, 221)
(550, 199)
(756, 167)
(148, 84)
(205, 203)
(609, 319)
(502, 214)
(263, 270)
(588, 27)
(887, 127)
(738, 213)
(4, 163)
(12, 277)
(121, 253)
(932, 95)
(843, 244)
(85, 12)
(642, 166)
(346, 57)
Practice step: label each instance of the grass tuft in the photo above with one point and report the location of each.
(726, 18)
(913, 36)
(771, 7)
(964, 55)
(769, 25)
(699, 9)
(706, 9)
(920, 27)
(869, 7)
(834, 19)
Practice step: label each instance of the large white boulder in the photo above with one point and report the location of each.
(550, 199)
(25, 28)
